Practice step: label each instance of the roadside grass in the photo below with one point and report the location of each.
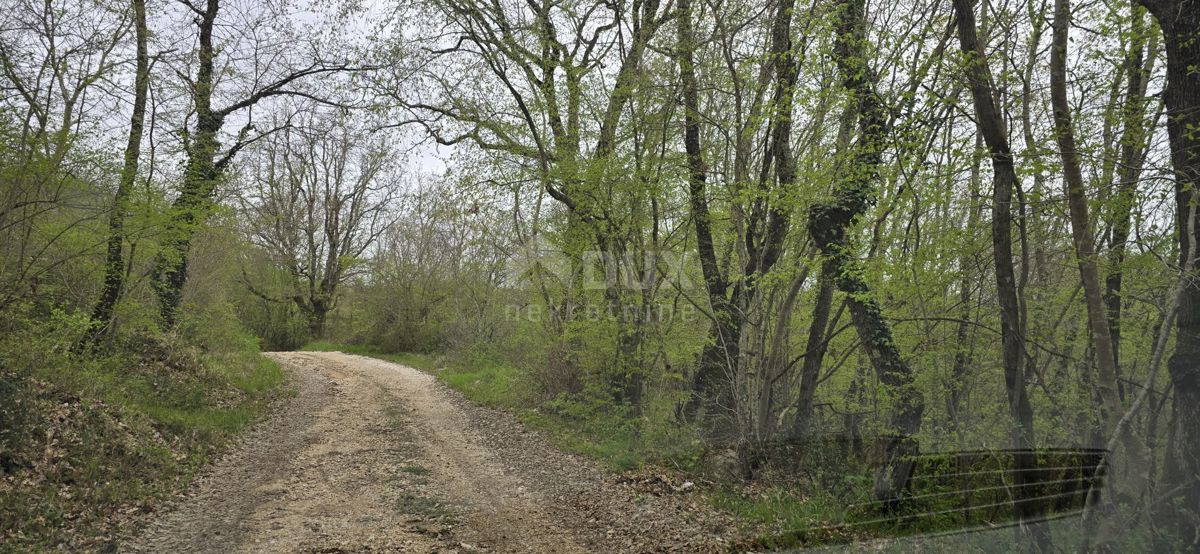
(775, 510)
(490, 384)
(89, 442)
(219, 396)
(604, 438)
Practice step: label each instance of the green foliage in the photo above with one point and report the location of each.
(492, 384)
(910, 230)
(269, 315)
(586, 428)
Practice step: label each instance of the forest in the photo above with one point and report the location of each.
(810, 254)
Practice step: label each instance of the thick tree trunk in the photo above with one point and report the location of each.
(829, 223)
(1180, 23)
(114, 264)
(1004, 179)
(199, 181)
(316, 310)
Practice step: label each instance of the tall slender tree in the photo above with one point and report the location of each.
(1081, 223)
(114, 263)
(990, 124)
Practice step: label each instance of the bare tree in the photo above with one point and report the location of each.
(320, 198)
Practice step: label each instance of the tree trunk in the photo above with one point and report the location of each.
(1132, 155)
(962, 358)
(719, 361)
(317, 317)
(114, 264)
(829, 223)
(990, 124)
(1180, 23)
(815, 348)
(1081, 224)
(199, 180)
(719, 356)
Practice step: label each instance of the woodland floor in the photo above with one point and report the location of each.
(371, 456)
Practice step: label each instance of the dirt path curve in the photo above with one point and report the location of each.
(371, 456)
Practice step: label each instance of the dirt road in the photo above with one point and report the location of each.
(371, 456)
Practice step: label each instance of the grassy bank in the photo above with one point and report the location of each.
(88, 443)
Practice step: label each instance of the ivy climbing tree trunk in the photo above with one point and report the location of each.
(829, 223)
(199, 179)
(114, 262)
(206, 160)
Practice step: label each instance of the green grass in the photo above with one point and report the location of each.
(414, 469)
(224, 396)
(489, 384)
(779, 509)
(604, 438)
(424, 506)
